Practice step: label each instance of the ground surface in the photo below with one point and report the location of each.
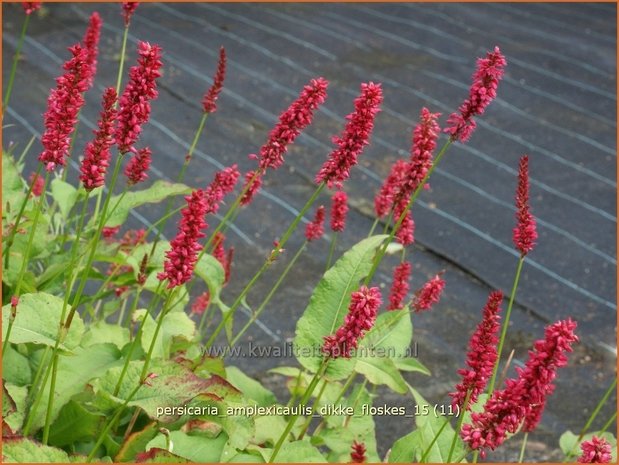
(557, 103)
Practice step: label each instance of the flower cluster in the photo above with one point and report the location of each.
(182, 256)
(483, 91)
(291, 122)
(429, 294)
(361, 316)
(597, 450)
(223, 257)
(405, 234)
(30, 7)
(525, 233)
(128, 8)
(316, 228)
(136, 169)
(357, 453)
(482, 354)
(201, 303)
(399, 286)
(91, 43)
(339, 210)
(355, 137)
(97, 151)
(38, 183)
(222, 185)
(209, 102)
(63, 106)
(522, 400)
(135, 101)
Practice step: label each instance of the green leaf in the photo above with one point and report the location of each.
(13, 192)
(410, 364)
(158, 455)
(75, 424)
(17, 396)
(194, 448)
(136, 443)
(299, 451)
(329, 304)
(65, 196)
(74, 372)
(174, 325)
(268, 429)
(379, 370)
(405, 449)
(20, 450)
(100, 332)
(37, 321)
(16, 367)
(391, 335)
(212, 273)
(158, 191)
(250, 388)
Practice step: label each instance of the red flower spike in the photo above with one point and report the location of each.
(91, 43)
(386, 196)
(30, 7)
(63, 106)
(405, 234)
(339, 210)
(109, 232)
(482, 354)
(184, 248)
(523, 398)
(97, 152)
(201, 303)
(597, 450)
(222, 185)
(525, 233)
(141, 279)
(429, 294)
(131, 238)
(483, 91)
(355, 137)
(38, 182)
(357, 454)
(136, 169)
(399, 286)
(316, 228)
(128, 8)
(134, 103)
(250, 191)
(361, 316)
(209, 102)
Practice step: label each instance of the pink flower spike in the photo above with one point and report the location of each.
(222, 185)
(128, 10)
(399, 286)
(525, 233)
(134, 103)
(63, 106)
(136, 169)
(429, 294)
(357, 454)
(386, 197)
(91, 43)
(184, 248)
(405, 234)
(30, 7)
(316, 228)
(250, 190)
(38, 182)
(209, 102)
(355, 137)
(223, 257)
(201, 303)
(482, 354)
(97, 152)
(597, 450)
(339, 210)
(361, 316)
(483, 91)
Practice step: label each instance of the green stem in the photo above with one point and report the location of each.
(383, 250)
(160, 318)
(512, 297)
(459, 427)
(427, 451)
(597, 409)
(266, 264)
(373, 228)
(475, 455)
(331, 250)
(112, 421)
(304, 399)
(203, 318)
(293, 397)
(523, 447)
(134, 343)
(24, 152)
(267, 299)
(316, 403)
(121, 65)
(347, 384)
(608, 423)
(20, 43)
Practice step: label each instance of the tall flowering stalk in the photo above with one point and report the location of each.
(522, 401)
(91, 43)
(483, 90)
(135, 100)
(316, 228)
(355, 137)
(97, 153)
(399, 286)
(361, 316)
(357, 453)
(429, 294)
(339, 210)
(128, 8)
(136, 169)
(209, 101)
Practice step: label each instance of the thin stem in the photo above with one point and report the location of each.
(512, 296)
(523, 447)
(608, 423)
(465, 405)
(475, 455)
(160, 318)
(121, 65)
(50, 404)
(267, 299)
(597, 409)
(304, 399)
(274, 254)
(347, 384)
(293, 397)
(373, 226)
(316, 403)
(203, 317)
(24, 152)
(427, 451)
(20, 43)
(134, 344)
(331, 250)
